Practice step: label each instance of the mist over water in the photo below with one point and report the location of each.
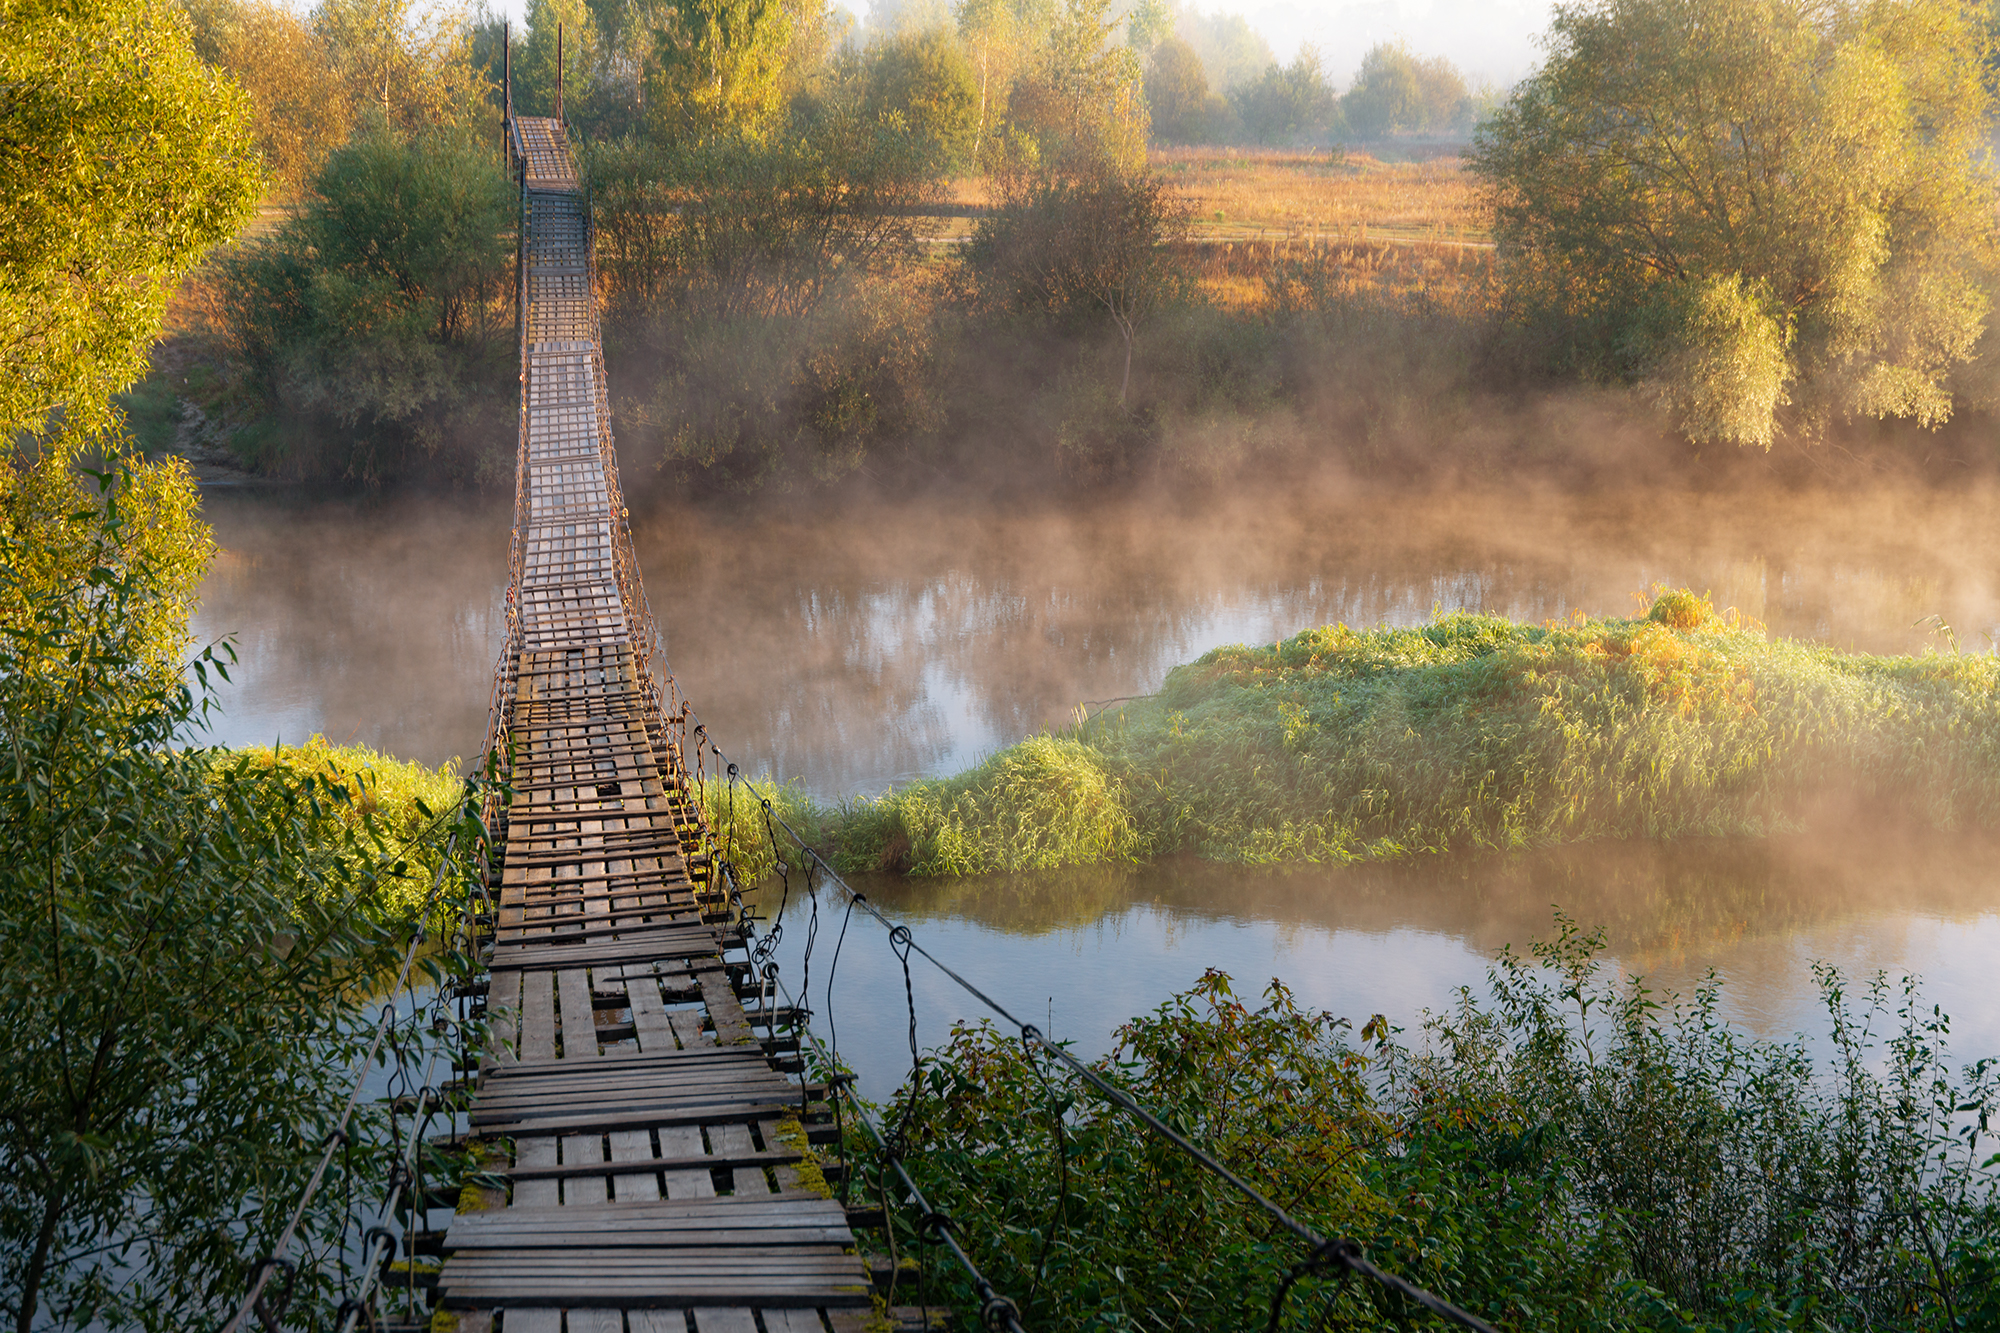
(864, 646)
(857, 648)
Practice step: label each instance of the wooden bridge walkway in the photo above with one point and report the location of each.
(649, 1141)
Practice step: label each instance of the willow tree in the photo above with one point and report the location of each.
(1749, 205)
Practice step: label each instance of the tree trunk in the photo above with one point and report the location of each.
(31, 1282)
(979, 135)
(1125, 327)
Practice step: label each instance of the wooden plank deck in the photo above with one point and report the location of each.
(625, 1096)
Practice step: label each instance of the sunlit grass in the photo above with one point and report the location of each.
(1472, 732)
(1349, 196)
(389, 803)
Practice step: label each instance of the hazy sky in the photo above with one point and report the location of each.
(1487, 39)
(1491, 40)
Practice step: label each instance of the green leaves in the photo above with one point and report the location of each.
(185, 943)
(122, 159)
(1572, 1153)
(377, 316)
(1723, 198)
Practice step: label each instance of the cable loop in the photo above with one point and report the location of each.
(935, 1223)
(998, 1312)
(388, 1239)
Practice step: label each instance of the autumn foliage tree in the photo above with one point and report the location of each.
(122, 159)
(1750, 206)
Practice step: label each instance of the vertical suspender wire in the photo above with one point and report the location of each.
(1324, 1252)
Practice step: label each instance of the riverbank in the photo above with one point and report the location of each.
(1470, 733)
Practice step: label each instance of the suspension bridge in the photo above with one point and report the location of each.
(636, 1107)
(640, 1146)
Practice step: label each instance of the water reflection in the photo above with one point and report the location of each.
(858, 648)
(1081, 950)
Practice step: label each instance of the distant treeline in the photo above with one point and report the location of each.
(780, 310)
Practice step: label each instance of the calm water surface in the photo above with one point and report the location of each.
(858, 649)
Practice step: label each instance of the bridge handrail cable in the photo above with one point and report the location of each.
(1324, 1251)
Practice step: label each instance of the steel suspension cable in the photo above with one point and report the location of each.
(1324, 1251)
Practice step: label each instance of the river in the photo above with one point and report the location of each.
(858, 648)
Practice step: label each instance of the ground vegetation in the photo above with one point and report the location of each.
(1470, 733)
(1568, 1150)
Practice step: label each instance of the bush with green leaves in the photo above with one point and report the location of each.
(89, 250)
(379, 317)
(1571, 1152)
(188, 942)
(1641, 240)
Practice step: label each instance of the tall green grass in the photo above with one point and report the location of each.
(1471, 732)
(393, 808)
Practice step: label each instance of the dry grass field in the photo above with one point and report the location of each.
(1407, 226)
(1262, 194)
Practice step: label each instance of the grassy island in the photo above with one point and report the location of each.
(1472, 732)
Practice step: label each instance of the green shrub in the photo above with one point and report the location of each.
(1043, 803)
(393, 804)
(1571, 1153)
(189, 942)
(379, 318)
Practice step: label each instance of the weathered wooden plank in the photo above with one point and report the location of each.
(688, 1026)
(577, 1166)
(620, 1218)
(693, 943)
(649, 1017)
(746, 1164)
(656, 1321)
(725, 1011)
(686, 1058)
(530, 1153)
(628, 1110)
(793, 1321)
(684, 1141)
(531, 1321)
(579, 1017)
(538, 1016)
(725, 1321)
(503, 1002)
(633, 1146)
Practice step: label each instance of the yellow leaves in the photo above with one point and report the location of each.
(87, 256)
(53, 535)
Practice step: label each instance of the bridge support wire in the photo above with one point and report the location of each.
(253, 1305)
(1342, 1253)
